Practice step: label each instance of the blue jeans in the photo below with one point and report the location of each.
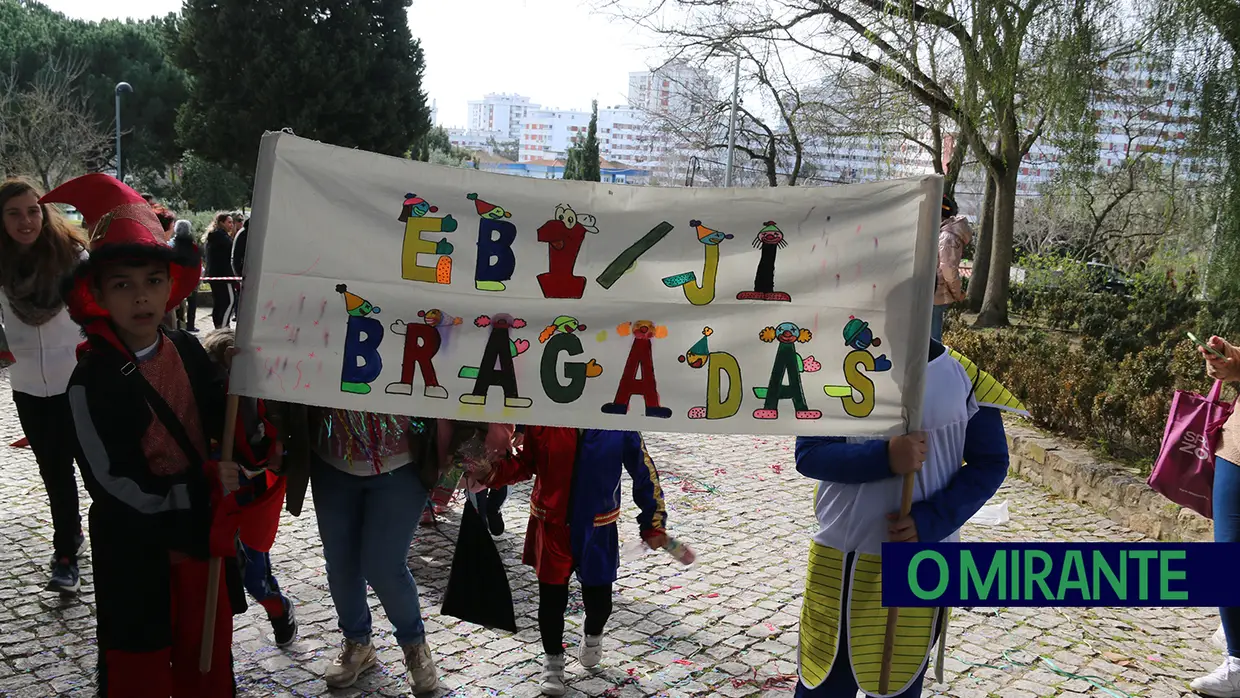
(936, 323)
(1227, 530)
(367, 525)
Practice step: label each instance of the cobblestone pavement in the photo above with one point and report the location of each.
(724, 627)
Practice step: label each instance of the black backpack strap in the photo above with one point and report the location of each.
(165, 414)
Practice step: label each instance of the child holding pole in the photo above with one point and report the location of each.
(861, 485)
(145, 405)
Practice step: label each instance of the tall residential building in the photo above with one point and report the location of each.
(676, 88)
(547, 134)
(499, 112)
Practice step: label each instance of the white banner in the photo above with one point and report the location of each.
(381, 284)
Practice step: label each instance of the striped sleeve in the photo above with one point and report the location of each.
(988, 391)
(647, 492)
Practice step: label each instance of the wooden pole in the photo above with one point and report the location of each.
(213, 566)
(893, 613)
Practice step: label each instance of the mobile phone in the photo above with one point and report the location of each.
(1207, 347)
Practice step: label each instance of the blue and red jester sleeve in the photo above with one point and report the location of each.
(985, 467)
(647, 492)
(519, 467)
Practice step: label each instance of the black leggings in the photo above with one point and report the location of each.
(48, 424)
(553, 603)
(221, 303)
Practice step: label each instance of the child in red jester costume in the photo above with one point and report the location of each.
(146, 403)
(573, 512)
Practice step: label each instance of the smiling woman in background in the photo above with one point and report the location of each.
(38, 248)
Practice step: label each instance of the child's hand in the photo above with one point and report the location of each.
(230, 476)
(1219, 369)
(907, 453)
(901, 529)
(229, 353)
(657, 541)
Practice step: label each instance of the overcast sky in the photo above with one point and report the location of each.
(553, 51)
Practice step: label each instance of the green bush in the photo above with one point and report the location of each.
(1109, 384)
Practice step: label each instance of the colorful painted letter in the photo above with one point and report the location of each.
(704, 293)
(628, 258)
(787, 364)
(413, 215)
(770, 240)
(641, 359)
(564, 236)
(422, 342)
(496, 261)
(362, 363)
(496, 367)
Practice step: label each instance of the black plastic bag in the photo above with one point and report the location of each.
(478, 590)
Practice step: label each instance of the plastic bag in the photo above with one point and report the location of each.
(991, 515)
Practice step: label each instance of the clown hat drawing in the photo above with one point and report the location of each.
(857, 334)
(487, 210)
(416, 207)
(699, 353)
(355, 304)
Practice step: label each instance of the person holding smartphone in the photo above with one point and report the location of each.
(1223, 363)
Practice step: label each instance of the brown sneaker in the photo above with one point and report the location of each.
(354, 658)
(423, 676)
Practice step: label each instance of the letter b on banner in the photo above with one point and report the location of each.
(496, 261)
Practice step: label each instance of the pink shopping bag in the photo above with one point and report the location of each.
(1184, 471)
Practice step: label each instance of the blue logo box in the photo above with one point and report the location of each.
(1061, 574)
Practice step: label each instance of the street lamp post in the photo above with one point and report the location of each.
(121, 88)
(736, 85)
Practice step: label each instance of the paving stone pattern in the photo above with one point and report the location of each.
(726, 627)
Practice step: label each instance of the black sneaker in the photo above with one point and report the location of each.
(65, 577)
(495, 522)
(285, 627)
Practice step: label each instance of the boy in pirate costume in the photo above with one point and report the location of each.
(859, 488)
(146, 403)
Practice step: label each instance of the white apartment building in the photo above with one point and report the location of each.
(676, 88)
(547, 134)
(499, 112)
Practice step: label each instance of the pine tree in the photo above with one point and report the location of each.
(572, 162)
(590, 166)
(345, 73)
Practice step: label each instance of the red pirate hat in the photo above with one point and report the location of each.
(122, 225)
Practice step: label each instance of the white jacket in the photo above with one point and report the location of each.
(46, 355)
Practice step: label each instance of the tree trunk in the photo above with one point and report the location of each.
(995, 305)
(982, 247)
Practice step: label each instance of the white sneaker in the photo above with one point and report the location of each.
(553, 676)
(1223, 682)
(354, 658)
(423, 676)
(591, 651)
(1219, 639)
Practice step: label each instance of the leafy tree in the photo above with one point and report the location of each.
(1005, 71)
(207, 186)
(346, 73)
(589, 152)
(509, 150)
(107, 53)
(572, 163)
